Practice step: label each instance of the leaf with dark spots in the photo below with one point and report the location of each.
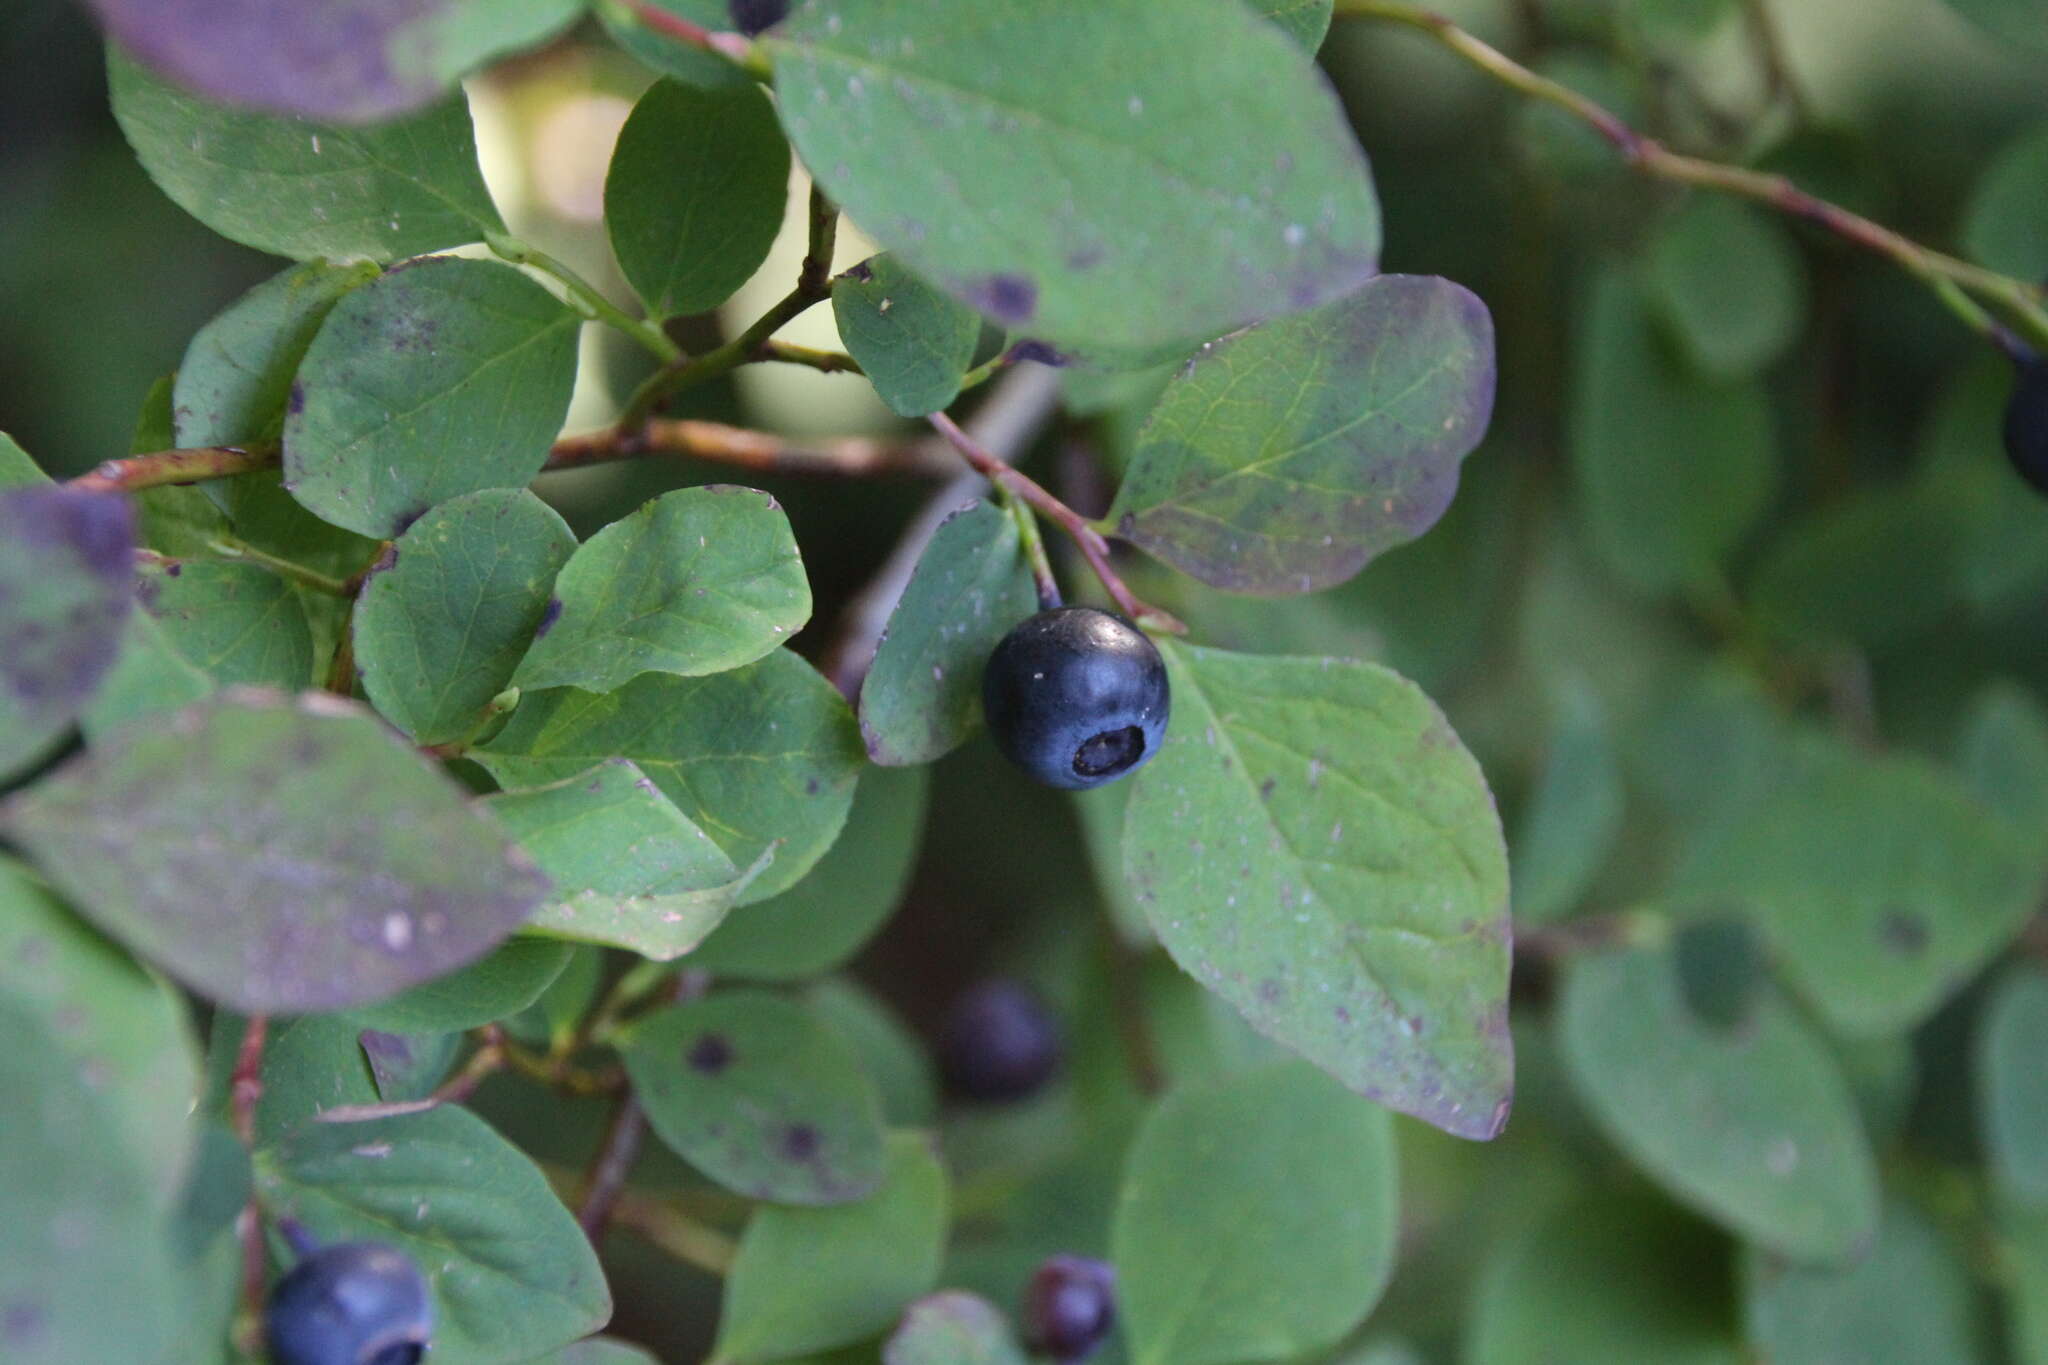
(277, 854)
(1358, 913)
(65, 594)
(756, 1093)
(1283, 459)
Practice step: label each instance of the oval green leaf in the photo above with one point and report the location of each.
(1730, 285)
(1573, 817)
(2012, 1086)
(1316, 846)
(952, 1328)
(912, 341)
(493, 988)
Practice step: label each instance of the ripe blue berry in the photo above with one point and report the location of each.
(1069, 1307)
(998, 1043)
(752, 16)
(2026, 423)
(1076, 697)
(353, 1303)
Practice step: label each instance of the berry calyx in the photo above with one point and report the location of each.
(1076, 697)
(1069, 1307)
(353, 1303)
(999, 1043)
(2026, 423)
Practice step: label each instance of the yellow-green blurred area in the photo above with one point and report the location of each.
(1885, 603)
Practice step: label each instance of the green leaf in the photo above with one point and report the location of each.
(85, 1258)
(922, 696)
(302, 189)
(2012, 1086)
(808, 1279)
(237, 372)
(754, 756)
(889, 1052)
(1672, 471)
(445, 377)
(822, 921)
(408, 1066)
(1573, 817)
(510, 1272)
(661, 52)
(2025, 1262)
(913, 342)
(598, 1351)
(697, 581)
(126, 1034)
(1880, 566)
(1881, 884)
(1315, 845)
(267, 517)
(953, 1328)
(17, 468)
(341, 59)
(441, 624)
(1907, 1301)
(2003, 756)
(151, 676)
(310, 1065)
(696, 193)
(276, 855)
(64, 599)
(1305, 21)
(495, 987)
(1257, 1219)
(629, 869)
(753, 1091)
(2006, 223)
(1603, 1281)
(1167, 169)
(1730, 285)
(1751, 1123)
(2019, 22)
(1284, 459)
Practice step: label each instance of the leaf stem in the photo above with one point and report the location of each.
(2023, 300)
(1086, 538)
(584, 296)
(824, 362)
(689, 1241)
(233, 547)
(1034, 548)
(611, 1166)
(192, 464)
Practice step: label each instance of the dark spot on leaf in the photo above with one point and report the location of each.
(1903, 932)
(811, 787)
(1343, 1015)
(1087, 258)
(296, 404)
(1006, 298)
(172, 568)
(800, 1142)
(548, 617)
(862, 272)
(1266, 789)
(22, 1324)
(1270, 991)
(1038, 351)
(710, 1054)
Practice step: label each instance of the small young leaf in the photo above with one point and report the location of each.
(1730, 284)
(1906, 1301)
(124, 1031)
(494, 987)
(1284, 459)
(237, 371)
(407, 1066)
(913, 343)
(1753, 1125)
(697, 581)
(277, 855)
(64, 598)
(760, 756)
(306, 190)
(1167, 169)
(17, 468)
(822, 921)
(440, 379)
(2012, 1086)
(510, 1272)
(346, 60)
(629, 869)
(1573, 817)
(1305, 21)
(1277, 1193)
(696, 193)
(811, 1279)
(1672, 471)
(922, 696)
(441, 624)
(952, 1328)
(753, 1091)
(1315, 845)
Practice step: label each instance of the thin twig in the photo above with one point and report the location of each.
(686, 1239)
(2022, 299)
(231, 547)
(609, 1169)
(824, 362)
(1034, 550)
(1086, 538)
(193, 464)
(586, 297)
(760, 451)
(245, 1086)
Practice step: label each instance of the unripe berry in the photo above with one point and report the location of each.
(998, 1043)
(1070, 1307)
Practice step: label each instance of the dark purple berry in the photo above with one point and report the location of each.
(1069, 1307)
(1076, 697)
(752, 16)
(2026, 423)
(999, 1043)
(353, 1303)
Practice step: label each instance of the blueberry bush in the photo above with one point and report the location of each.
(553, 806)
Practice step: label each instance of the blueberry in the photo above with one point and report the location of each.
(752, 16)
(353, 1303)
(998, 1043)
(1076, 697)
(2026, 423)
(1069, 1307)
